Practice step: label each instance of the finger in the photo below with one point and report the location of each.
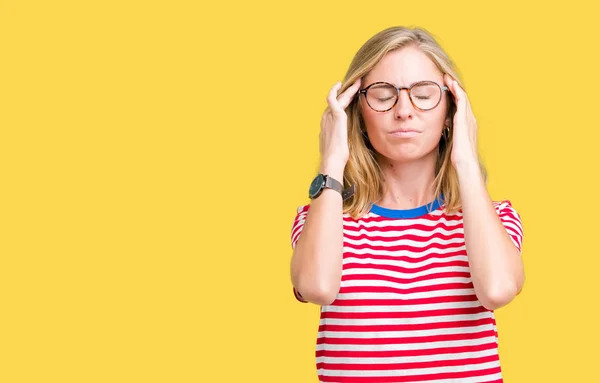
(452, 84)
(462, 97)
(346, 97)
(462, 106)
(332, 98)
(449, 82)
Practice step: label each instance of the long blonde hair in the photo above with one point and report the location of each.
(362, 169)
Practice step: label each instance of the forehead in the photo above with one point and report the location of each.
(403, 67)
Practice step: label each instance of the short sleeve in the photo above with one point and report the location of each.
(511, 220)
(297, 226)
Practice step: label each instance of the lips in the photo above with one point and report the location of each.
(405, 133)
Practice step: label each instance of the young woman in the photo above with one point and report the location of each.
(401, 245)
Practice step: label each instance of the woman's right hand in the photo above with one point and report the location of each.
(333, 139)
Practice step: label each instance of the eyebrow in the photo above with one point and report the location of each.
(411, 84)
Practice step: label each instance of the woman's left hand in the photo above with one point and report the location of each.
(464, 137)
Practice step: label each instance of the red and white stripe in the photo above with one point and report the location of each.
(406, 310)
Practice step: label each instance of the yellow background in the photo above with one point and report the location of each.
(153, 155)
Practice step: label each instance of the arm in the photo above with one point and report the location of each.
(496, 264)
(494, 260)
(316, 265)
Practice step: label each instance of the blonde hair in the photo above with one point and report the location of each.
(362, 169)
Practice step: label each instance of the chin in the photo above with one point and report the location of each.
(405, 157)
(408, 152)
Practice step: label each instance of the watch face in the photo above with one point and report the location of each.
(316, 186)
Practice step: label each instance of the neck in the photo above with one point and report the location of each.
(407, 185)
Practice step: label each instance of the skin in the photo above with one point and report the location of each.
(408, 165)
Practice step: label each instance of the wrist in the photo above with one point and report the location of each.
(333, 169)
(468, 171)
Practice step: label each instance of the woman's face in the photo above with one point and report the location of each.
(404, 133)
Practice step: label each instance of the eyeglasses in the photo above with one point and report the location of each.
(383, 96)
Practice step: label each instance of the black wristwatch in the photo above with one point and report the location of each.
(323, 181)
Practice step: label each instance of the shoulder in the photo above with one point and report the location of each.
(298, 223)
(511, 220)
(300, 216)
(301, 212)
(502, 204)
(506, 207)
(507, 212)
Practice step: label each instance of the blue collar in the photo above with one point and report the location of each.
(406, 213)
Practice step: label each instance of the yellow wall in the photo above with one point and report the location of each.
(153, 155)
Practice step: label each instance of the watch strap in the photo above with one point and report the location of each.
(348, 192)
(334, 184)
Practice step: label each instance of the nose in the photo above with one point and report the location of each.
(404, 108)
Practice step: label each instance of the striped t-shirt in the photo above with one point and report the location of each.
(406, 310)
